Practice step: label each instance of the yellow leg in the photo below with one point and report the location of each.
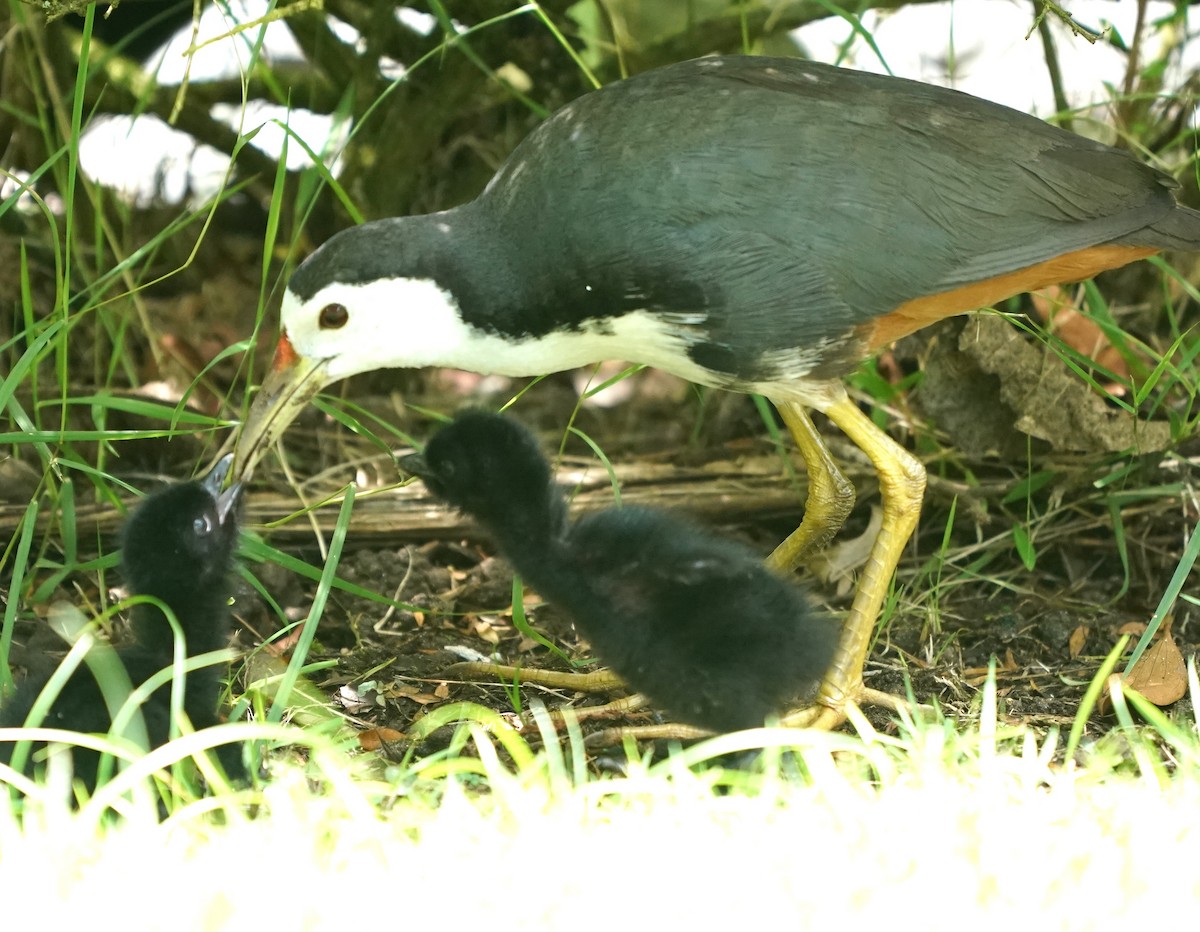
(595, 682)
(610, 737)
(601, 680)
(902, 488)
(618, 708)
(830, 494)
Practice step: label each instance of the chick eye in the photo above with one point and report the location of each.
(202, 526)
(333, 317)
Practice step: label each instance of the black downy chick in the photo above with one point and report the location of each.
(177, 546)
(694, 621)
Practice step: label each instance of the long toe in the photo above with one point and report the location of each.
(597, 681)
(836, 697)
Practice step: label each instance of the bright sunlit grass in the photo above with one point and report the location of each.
(943, 827)
(953, 824)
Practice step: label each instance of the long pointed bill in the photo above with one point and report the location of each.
(290, 385)
(215, 478)
(228, 499)
(414, 464)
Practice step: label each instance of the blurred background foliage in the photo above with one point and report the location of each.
(419, 103)
(481, 73)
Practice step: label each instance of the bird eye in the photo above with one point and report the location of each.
(333, 317)
(202, 526)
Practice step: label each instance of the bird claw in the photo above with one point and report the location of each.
(830, 710)
(824, 715)
(610, 737)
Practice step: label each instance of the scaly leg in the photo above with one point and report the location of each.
(596, 681)
(830, 494)
(602, 680)
(902, 488)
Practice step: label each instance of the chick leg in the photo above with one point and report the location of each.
(594, 682)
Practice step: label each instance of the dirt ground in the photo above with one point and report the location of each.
(963, 595)
(988, 417)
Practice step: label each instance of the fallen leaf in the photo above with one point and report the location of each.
(462, 652)
(531, 600)
(1010, 662)
(837, 563)
(307, 704)
(1077, 640)
(1132, 628)
(1081, 333)
(483, 627)
(358, 699)
(413, 694)
(376, 738)
(281, 646)
(1160, 674)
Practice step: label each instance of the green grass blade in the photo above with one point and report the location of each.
(309, 629)
(1167, 602)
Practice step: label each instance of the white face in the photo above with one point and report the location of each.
(389, 324)
(413, 323)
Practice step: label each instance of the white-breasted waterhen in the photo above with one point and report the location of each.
(755, 224)
(177, 546)
(694, 621)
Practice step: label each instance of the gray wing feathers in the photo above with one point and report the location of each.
(1179, 229)
(831, 196)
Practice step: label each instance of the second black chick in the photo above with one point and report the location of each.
(694, 621)
(178, 546)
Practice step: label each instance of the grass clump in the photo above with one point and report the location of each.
(982, 817)
(964, 825)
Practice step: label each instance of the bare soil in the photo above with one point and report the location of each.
(963, 595)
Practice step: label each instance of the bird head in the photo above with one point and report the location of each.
(179, 543)
(491, 468)
(370, 298)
